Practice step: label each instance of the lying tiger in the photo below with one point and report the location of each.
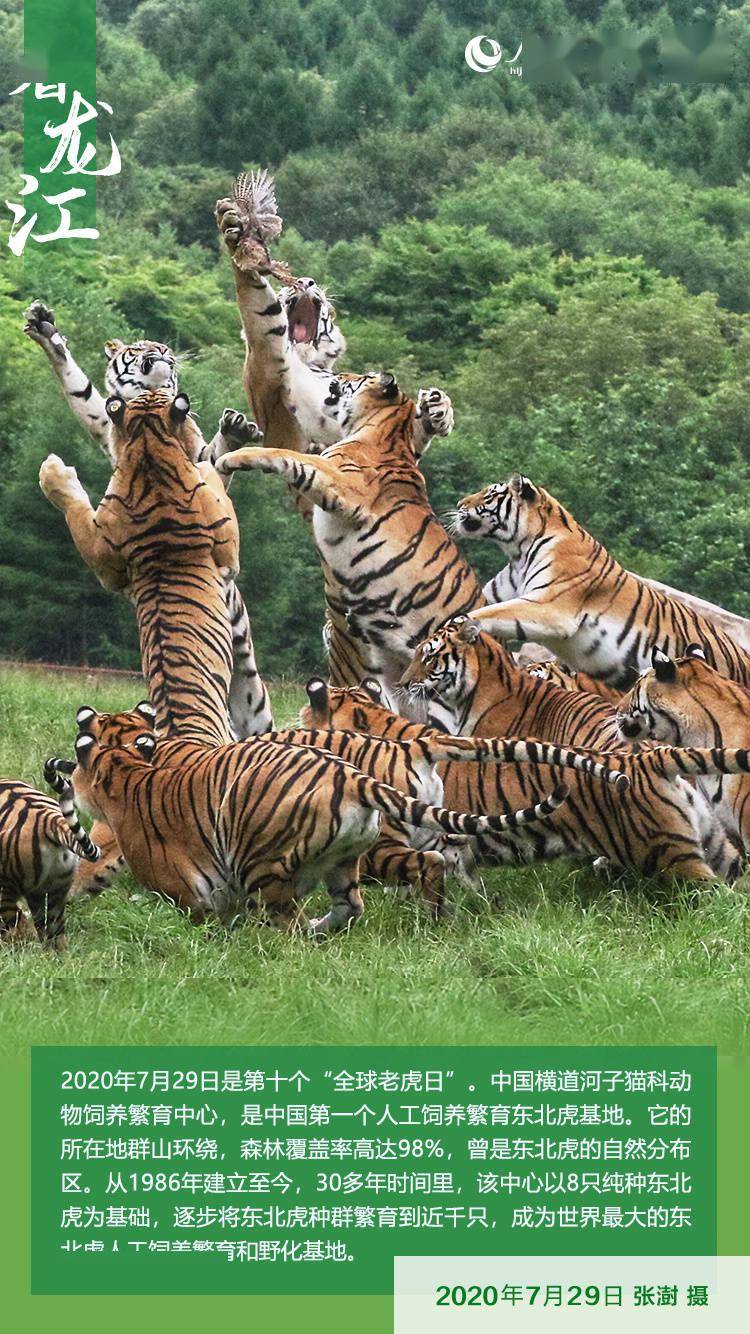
(41, 843)
(659, 824)
(392, 573)
(133, 369)
(562, 587)
(255, 825)
(686, 702)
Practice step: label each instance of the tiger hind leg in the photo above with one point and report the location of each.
(15, 927)
(394, 861)
(346, 900)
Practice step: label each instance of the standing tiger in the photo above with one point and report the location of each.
(134, 369)
(41, 844)
(686, 702)
(660, 824)
(392, 574)
(562, 587)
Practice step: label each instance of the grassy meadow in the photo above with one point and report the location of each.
(543, 954)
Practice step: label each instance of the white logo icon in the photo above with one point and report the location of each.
(480, 60)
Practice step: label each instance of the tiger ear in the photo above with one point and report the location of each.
(373, 688)
(180, 408)
(663, 666)
(113, 346)
(523, 487)
(84, 745)
(84, 716)
(115, 406)
(145, 745)
(695, 651)
(317, 693)
(387, 384)
(469, 631)
(146, 710)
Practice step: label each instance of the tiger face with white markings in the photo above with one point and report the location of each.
(311, 322)
(133, 368)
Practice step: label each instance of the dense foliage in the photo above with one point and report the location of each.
(570, 260)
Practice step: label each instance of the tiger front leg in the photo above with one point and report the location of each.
(62, 488)
(434, 417)
(235, 431)
(315, 478)
(82, 395)
(523, 619)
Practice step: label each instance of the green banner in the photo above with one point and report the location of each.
(306, 1170)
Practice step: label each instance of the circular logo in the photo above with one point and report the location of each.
(478, 59)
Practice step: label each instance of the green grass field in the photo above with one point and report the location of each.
(544, 954)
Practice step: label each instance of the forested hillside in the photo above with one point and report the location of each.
(571, 262)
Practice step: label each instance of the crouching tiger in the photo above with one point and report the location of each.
(659, 824)
(268, 820)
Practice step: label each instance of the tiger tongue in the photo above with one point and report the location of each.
(299, 333)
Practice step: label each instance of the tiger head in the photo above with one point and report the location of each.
(448, 666)
(507, 513)
(133, 368)
(682, 701)
(131, 731)
(354, 400)
(311, 319)
(166, 415)
(363, 708)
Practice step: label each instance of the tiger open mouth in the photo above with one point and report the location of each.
(303, 314)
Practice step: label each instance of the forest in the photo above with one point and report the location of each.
(569, 260)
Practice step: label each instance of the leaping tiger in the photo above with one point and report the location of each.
(562, 587)
(133, 369)
(392, 573)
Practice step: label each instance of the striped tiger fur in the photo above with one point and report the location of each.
(562, 587)
(166, 531)
(134, 369)
(41, 842)
(686, 702)
(559, 674)
(391, 572)
(596, 822)
(268, 819)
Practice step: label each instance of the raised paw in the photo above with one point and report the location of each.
(40, 326)
(228, 223)
(59, 483)
(237, 429)
(435, 410)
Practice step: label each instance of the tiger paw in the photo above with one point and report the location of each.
(40, 326)
(435, 411)
(237, 429)
(59, 483)
(228, 222)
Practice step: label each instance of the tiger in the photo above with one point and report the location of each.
(659, 824)
(391, 572)
(553, 670)
(41, 843)
(686, 702)
(134, 369)
(292, 343)
(562, 587)
(401, 854)
(250, 825)
(166, 531)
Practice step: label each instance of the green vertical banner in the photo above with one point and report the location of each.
(61, 122)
